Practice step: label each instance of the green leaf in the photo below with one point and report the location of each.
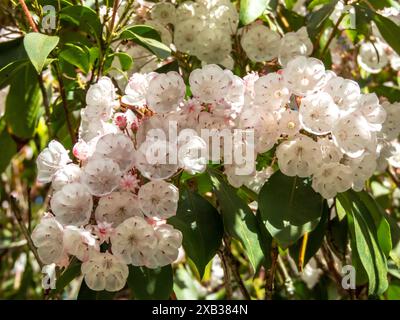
(365, 243)
(38, 47)
(73, 271)
(11, 51)
(125, 60)
(284, 210)
(316, 19)
(141, 30)
(150, 284)
(148, 38)
(8, 150)
(23, 103)
(7, 72)
(201, 226)
(250, 10)
(315, 3)
(77, 56)
(84, 18)
(389, 30)
(315, 238)
(239, 221)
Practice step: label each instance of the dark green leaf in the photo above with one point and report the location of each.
(78, 56)
(389, 30)
(239, 221)
(315, 238)
(8, 150)
(316, 19)
(141, 30)
(369, 256)
(11, 51)
(283, 209)
(150, 284)
(83, 17)
(73, 271)
(38, 47)
(23, 103)
(7, 72)
(201, 226)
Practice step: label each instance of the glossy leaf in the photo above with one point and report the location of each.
(77, 56)
(250, 10)
(284, 210)
(8, 149)
(239, 221)
(201, 226)
(316, 19)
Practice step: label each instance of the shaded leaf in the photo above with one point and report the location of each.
(38, 47)
(201, 226)
(250, 10)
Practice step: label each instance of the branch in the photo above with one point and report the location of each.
(332, 35)
(269, 281)
(17, 212)
(227, 275)
(28, 15)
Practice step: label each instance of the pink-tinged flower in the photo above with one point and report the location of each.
(129, 182)
(81, 150)
(121, 121)
(103, 230)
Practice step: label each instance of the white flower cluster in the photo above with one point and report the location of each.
(205, 29)
(102, 212)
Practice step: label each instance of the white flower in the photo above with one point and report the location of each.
(264, 124)
(294, 44)
(72, 205)
(136, 89)
(209, 84)
(167, 249)
(213, 45)
(69, 174)
(260, 43)
(48, 238)
(104, 271)
(234, 179)
(363, 168)
(78, 242)
(271, 91)
(165, 34)
(117, 147)
(116, 207)
(332, 178)
(304, 76)
(191, 154)
(51, 159)
(391, 127)
(318, 113)
(372, 111)
(330, 152)
(345, 93)
(129, 182)
(158, 199)
(165, 92)
(372, 57)
(152, 160)
(289, 123)
(235, 94)
(101, 176)
(189, 9)
(351, 134)
(185, 34)
(164, 13)
(394, 159)
(134, 241)
(101, 93)
(298, 156)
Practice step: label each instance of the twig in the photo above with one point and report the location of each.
(269, 281)
(17, 212)
(45, 99)
(288, 280)
(227, 276)
(332, 35)
(28, 15)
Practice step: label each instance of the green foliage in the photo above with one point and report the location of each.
(250, 10)
(201, 227)
(150, 284)
(283, 210)
(316, 19)
(239, 222)
(38, 47)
